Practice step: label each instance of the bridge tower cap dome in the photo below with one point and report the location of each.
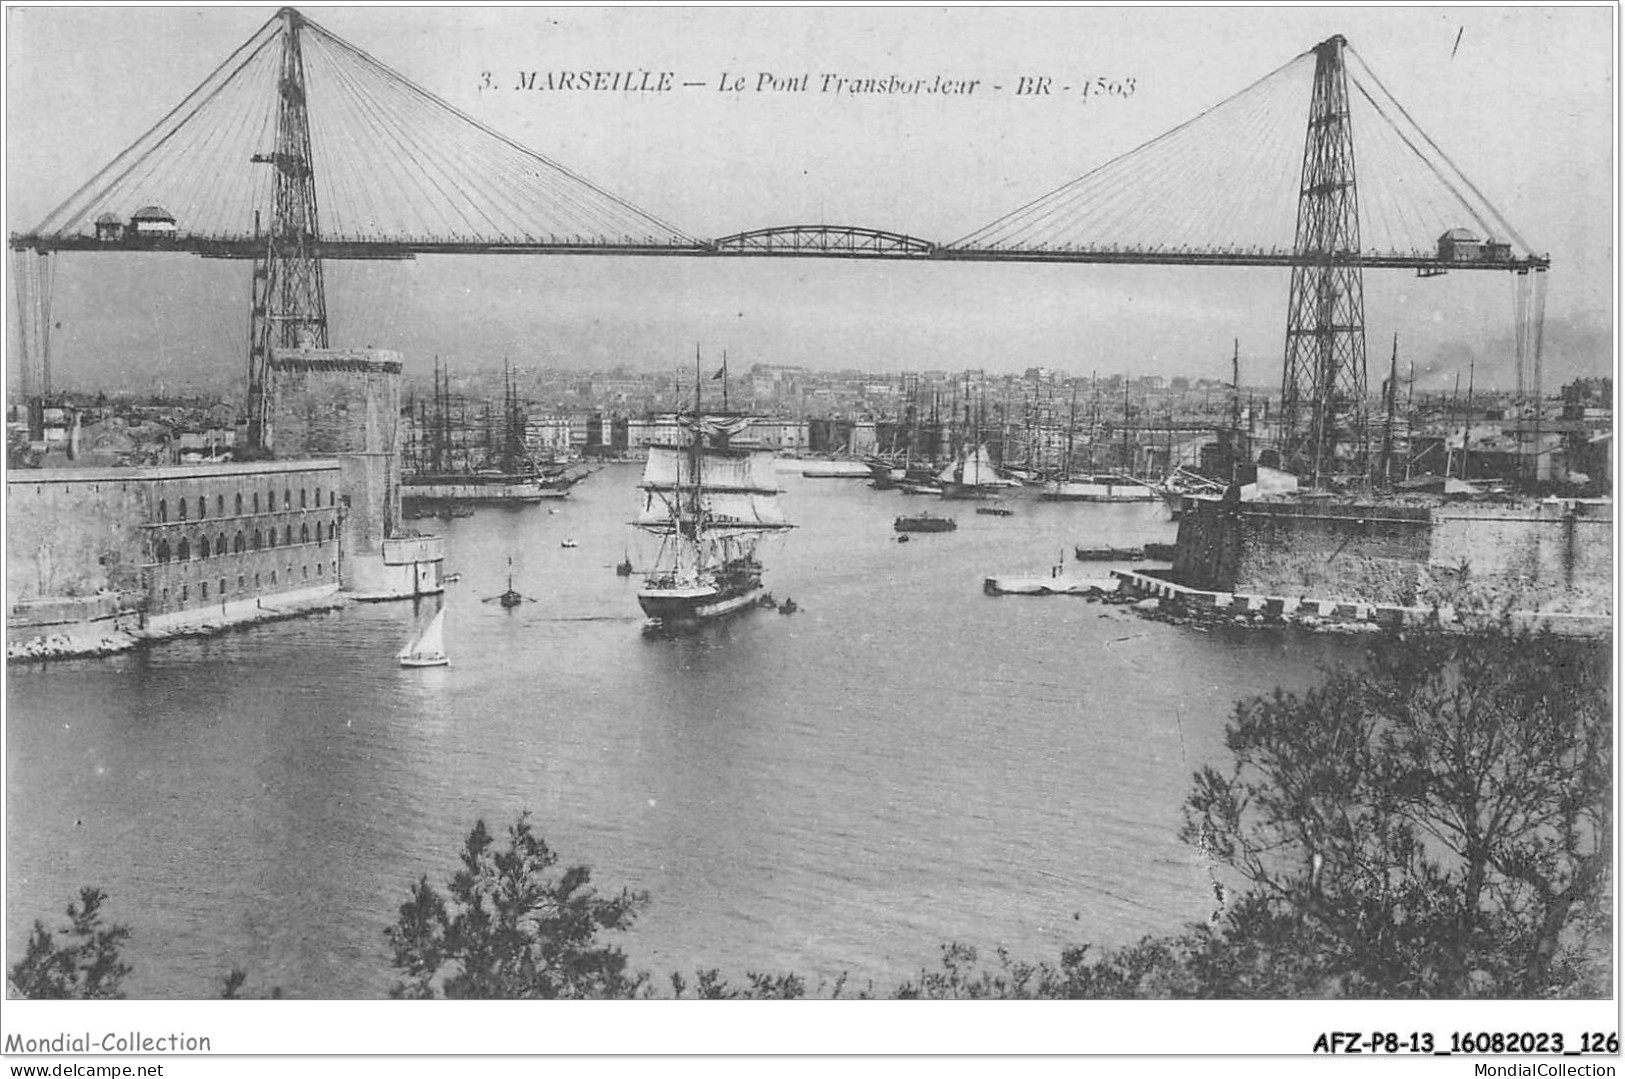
(152, 213)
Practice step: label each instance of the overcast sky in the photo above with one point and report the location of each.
(1520, 99)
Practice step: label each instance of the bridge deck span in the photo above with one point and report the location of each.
(915, 250)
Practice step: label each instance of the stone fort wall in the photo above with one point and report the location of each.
(162, 540)
(1550, 556)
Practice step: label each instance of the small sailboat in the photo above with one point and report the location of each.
(429, 650)
(623, 568)
(568, 543)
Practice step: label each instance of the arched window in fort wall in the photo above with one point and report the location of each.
(163, 510)
(304, 533)
(163, 550)
(202, 507)
(302, 503)
(239, 503)
(184, 552)
(237, 544)
(220, 544)
(180, 509)
(259, 539)
(256, 501)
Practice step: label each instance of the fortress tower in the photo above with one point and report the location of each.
(345, 405)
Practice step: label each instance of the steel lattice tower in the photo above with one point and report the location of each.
(289, 306)
(1323, 380)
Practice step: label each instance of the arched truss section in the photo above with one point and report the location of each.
(836, 240)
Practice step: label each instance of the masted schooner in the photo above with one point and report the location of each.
(711, 503)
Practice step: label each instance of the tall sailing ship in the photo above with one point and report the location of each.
(448, 469)
(712, 503)
(1092, 486)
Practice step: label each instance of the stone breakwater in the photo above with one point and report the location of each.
(73, 643)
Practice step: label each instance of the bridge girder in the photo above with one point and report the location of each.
(831, 240)
(924, 250)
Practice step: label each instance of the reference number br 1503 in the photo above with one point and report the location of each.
(1464, 1042)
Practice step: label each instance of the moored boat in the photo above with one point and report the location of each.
(1108, 554)
(1099, 489)
(925, 522)
(973, 476)
(836, 470)
(444, 471)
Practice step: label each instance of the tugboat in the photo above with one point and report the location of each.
(711, 503)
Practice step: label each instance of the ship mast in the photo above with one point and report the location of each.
(1071, 424)
(696, 452)
(1128, 458)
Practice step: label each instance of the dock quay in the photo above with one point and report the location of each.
(1344, 615)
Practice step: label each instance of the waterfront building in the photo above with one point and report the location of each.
(150, 550)
(149, 544)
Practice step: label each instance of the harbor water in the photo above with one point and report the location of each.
(903, 763)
